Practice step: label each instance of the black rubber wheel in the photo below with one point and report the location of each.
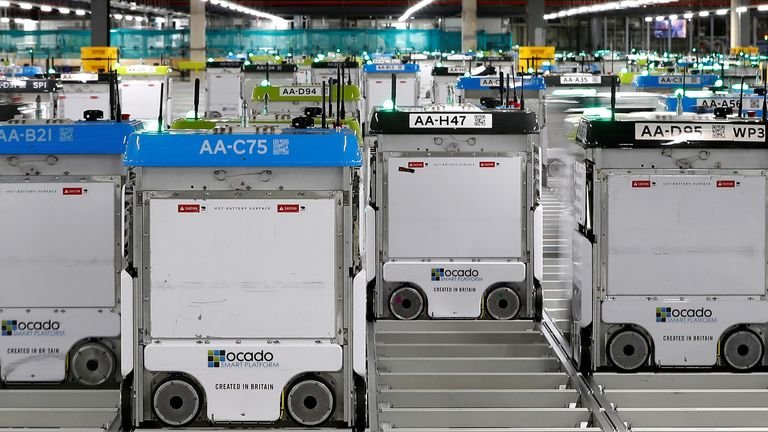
(585, 350)
(406, 303)
(742, 350)
(310, 402)
(538, 302)
(628, 350)
(92, 364)
(126, 403)
(360, 423)
(176, 402)
(502, 303)
(370, 297)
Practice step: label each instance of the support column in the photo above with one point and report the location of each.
(197, 30)
(740, 24)
(595, 33)
(468, 25)
(534, 18)
(626, 34)
(100, 21)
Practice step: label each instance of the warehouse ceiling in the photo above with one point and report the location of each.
(367, 8)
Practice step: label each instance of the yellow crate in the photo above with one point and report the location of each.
(98, 65)
(98, 53)
(534, 56)
(746, 50)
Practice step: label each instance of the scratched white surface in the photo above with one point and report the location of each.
(240, 269)
(685, 236)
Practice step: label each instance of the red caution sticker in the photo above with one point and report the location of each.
(726, 183)
(189, 208)
(641, 183)
(72, 191)
(287, 208)
(416, 164)
(487, 164)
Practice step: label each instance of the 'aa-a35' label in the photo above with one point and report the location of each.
(699, 132)
(452, 121)
(580, 79)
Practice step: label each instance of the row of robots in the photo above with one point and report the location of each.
(224, 271)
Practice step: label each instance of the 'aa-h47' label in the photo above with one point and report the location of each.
(451, 121)
(699, 132)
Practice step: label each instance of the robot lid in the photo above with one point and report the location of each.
(143, 70)
(264, 67)
(36, 85)
(83, 77)
(231, 64)
(303, 93)
(335, 64)
(675, 81)
(667, 130)
(244, 148)
(65, 137)
(465, 119)
(489, 82)
(391, 68)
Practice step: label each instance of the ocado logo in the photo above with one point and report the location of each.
(224, 359)
(30, 328)
(669, 314)
(444, 274)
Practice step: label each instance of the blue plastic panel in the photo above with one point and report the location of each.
(674, 81)
(82, 137)
(489, 82)
(391, 68)
(297, 148)
(707, 104)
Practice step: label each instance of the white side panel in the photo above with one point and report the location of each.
(580, 192)
(34, 343)
(243, 391)
(371, 253)
(454, 289)
(380, 90)
(245, 268)
(58, 244)
(686, 235)
(582, 280)
(224, 94)
(126, 323)
(538, 243)
(455, 207)
(359, 327)
(689, 340)
(141, 99)
(72, 105)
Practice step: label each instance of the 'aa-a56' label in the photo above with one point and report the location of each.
(451, 121)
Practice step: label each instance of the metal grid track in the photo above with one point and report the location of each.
(681, 401)
(68, 410)
(431, 376)
(557, 260)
